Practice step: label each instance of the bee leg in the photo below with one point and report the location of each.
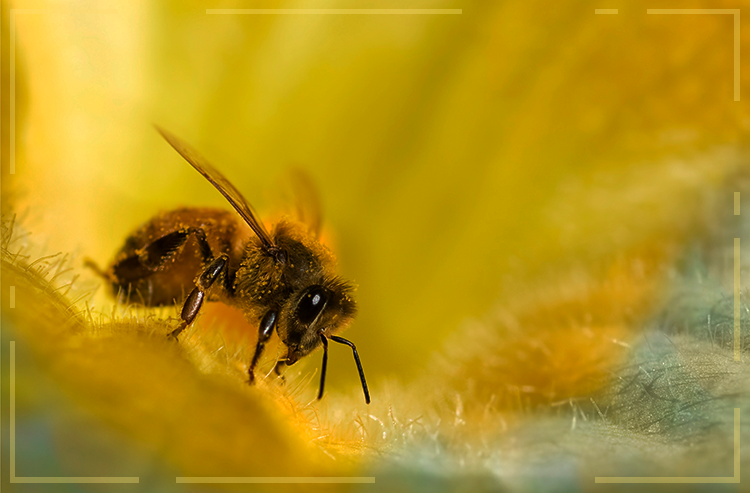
(341, 340)
(277, 370)
(159, 252)
(155, 255)
(194, 300)
(90, 264)
(267, 323)
(324, 366)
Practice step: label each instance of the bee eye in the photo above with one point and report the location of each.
(311, 304)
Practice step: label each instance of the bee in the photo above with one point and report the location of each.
(283, 280)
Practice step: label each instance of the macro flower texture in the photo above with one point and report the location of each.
(540, 209)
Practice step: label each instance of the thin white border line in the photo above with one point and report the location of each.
(736, 14)
(737, 305)
(278, 480)
(334, 11)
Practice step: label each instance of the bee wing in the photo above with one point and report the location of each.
(222, 185)
(305, 199)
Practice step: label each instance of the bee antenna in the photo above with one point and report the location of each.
(87, 262)
(341, 340)
(324, 366)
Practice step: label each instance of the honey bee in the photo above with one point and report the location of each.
(282, 280)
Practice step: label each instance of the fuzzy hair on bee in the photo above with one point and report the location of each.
(283, 281)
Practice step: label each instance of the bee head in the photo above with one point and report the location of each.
(321, 308)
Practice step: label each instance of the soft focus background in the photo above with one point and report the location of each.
(520, 192)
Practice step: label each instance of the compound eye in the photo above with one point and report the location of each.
(311, 304)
